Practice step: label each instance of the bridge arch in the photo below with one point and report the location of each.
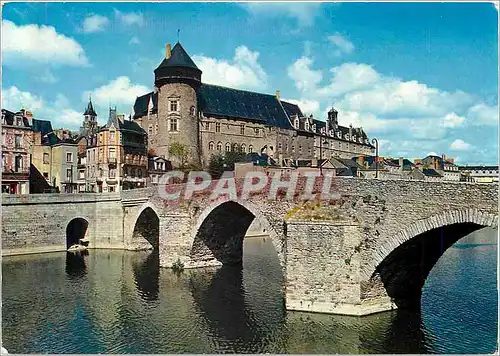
(221, 227)
(404, 261)
(145, 234)
(76, 229)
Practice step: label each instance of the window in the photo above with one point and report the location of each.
(81, 174)
(69, 157)
(46, 158)
(307, 125)
(217, 127)
(18, 163)
(18, 141)
(192, 111)
(296, 123)
(100, 138)
(3, 161)
(256, 131)
(300, 149)
(112, 136)
(228, 147)
(207, 126)
(150, 129)
(235, 147)
(156, 129)
(68, 174)
(250, 148)
(219, 146)
(279, 146)
(173, 125)
(242, 129)
(139, 173)
(293, 148)
(173, 105)
(211, 146)
(112, 152)
(111, 188)
(243, 148)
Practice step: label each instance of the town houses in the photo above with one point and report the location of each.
(183, 123)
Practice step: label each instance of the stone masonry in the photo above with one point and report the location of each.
(351, 255)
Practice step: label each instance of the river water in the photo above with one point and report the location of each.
(121, 302)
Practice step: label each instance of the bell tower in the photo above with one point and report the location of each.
(177, 80)
(89, 120)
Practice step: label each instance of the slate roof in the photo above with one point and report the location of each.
(429, 172)
(9, 118)
(142, 102)
(225, 102)
(478, 168)
(407, 164)
(178, 58)
(90, 109)
(42, 126)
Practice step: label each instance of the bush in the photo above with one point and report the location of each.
(178, 266)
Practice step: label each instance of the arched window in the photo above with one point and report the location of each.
(228, 147)
(219, 146)
(235, 147)
(250, 148)
(192, 111)
(211, 146)
(243, 148)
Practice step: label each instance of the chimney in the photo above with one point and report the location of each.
(401, 164)
(277, 95)
(443, 157)
(168, 51)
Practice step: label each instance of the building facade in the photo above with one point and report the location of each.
(116, 156)
(17, 142)
(209, 119)
(479, 174)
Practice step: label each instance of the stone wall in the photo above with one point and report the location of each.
(37, 223)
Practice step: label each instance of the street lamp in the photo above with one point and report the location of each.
(375, 142)
(321, 143)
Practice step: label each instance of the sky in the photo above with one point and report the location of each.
(420, 77)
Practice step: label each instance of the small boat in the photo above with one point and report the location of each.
(77, 248)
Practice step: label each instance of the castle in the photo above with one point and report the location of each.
(210, 119)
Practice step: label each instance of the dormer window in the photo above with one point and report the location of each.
(323, 130)
(339, 134)
(331, 133)
(307, 125)
(296, 123)
(174, 106)
(314, 127)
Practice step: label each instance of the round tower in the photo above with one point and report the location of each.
(177, 80)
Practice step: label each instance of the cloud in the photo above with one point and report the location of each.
(341, 44)
(306, 79)
(459, 145)
(58, 111)
(130, 18)
(453, 120)
(28, 44)
(120, 91)
(47, 77)
(304, 13)
(243, 71)
(94, 23)
(306, 106)
(134, 40)
(409, 115)
(482, 114)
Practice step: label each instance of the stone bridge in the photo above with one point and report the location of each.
(366, 251)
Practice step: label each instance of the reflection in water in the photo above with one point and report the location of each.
(147, 274)
(122, 302)
(75, 264)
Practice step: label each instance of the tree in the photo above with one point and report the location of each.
(216, 165)
(180, 152)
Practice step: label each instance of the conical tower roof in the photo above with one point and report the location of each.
(177, 68)
(90, 109)
(178, 58)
